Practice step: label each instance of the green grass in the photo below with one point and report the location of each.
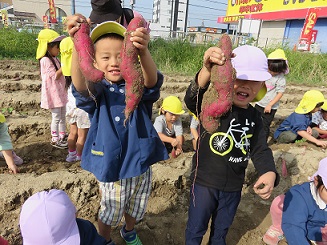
(178, 57)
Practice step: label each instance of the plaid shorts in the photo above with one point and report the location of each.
(124, 196)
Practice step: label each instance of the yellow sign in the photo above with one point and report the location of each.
(240, 7)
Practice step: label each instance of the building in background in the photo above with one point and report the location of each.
(40, 8)
(22, 12)
(169, 18)
(281, 21)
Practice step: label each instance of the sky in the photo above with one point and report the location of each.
(200, 12)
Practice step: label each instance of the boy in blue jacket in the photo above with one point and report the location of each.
(119, 155)
(300, 214)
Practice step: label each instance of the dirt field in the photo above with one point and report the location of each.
(164, 223)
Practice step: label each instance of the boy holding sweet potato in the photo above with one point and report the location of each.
(120, 156)
(222, 156)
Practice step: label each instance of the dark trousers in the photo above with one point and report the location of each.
(208, 203)
(267, 119)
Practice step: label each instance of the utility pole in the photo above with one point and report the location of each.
(73, 7)
(175, 18)
(132, 2)
(186, 17)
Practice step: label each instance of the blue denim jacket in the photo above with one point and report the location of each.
(115, 151)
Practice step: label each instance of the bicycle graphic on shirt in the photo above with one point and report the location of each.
(222, 143)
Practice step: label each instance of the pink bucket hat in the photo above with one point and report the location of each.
(49, 217)
(322, 171)
(250, 63)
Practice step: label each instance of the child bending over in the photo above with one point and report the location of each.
(169, 125)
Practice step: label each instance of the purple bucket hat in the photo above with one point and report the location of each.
(322, 171)
(250, 63)
(49, 217)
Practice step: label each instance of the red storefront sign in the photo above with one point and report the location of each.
(52, 11)
(314, 36)
(306, 33)
(309, 23)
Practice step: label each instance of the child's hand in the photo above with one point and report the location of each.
(267, 109)
(265, 184)
(140, 38)
(309, 130)
(321, 143)
(213, 55)
(175, 142)
(13, 168)
(73, 23)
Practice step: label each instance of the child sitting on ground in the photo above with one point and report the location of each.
(6, 148)
(49, 217)
(319, 121)
(300, 214)
(169, 125)
(297, 125)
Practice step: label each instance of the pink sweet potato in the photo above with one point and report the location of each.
(130, 68)
(218, 99)
(85, 50)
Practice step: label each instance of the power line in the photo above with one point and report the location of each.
(215, 2)
(206, 7)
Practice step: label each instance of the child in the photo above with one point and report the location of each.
(219, 166)
(297, 125)
(300, 214)
(53, 91)
(319, 121)
(120, 156)
(78, 119)
(49, 217)
(6, 148)
(268, 105)
(169, 125)
(194, 127)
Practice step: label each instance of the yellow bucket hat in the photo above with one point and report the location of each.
(309, 101)
(278, 54)
(105, 28)
(2, 118)
(66, 51)
(173, 105)
(46, 36)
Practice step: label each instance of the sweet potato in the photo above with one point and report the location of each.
(85, 50)
(218, 99)
(131, 69)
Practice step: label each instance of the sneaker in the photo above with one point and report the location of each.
(78, 158)
(130, 237)
(59, 144)
(272, 236)
(71, 158)
(17, 159)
